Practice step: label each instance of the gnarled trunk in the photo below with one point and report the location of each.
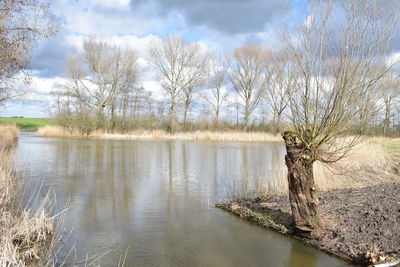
(302, 188)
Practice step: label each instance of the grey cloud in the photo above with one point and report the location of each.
(48, 60)
(230, 16)
(252, 39)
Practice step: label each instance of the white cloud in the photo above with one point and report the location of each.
(393, 59)
(114, 3)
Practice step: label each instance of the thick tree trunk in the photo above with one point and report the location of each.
(113, 116)
(185, 114)
(172, 118)
(277, 123)
(386, 120)
(246, 118)
(100, 117)
(217, 116)
(302, 188)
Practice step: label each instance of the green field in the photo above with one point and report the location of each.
(26, 123)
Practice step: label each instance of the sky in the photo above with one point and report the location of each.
(218, 25)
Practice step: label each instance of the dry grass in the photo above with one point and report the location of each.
(8, 136)
(24, 233)
(368, 163)
(54, 130)
(51, 130)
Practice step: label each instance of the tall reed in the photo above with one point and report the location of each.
(25, 234)
(52, 130)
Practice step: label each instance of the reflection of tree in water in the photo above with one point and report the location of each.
(245, 172)
(276, 175)
(302, 256)
(262, 170)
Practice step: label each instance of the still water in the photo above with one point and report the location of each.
(155, 200)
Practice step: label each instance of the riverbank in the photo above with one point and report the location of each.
(360, 224)
(239, 136)
(26, 234)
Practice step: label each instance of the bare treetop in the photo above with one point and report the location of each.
(249, 75)
(337, 64)
(100, 73)
(181, 66)
(22, 24)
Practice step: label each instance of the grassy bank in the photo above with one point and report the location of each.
(26, 123)
(26, 234)
(392, 145)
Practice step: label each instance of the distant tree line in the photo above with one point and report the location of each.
(247, 88)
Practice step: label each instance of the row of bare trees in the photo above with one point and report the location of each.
(104, 87)
(103, 82)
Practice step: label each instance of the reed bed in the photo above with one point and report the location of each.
(52, 130)
(25, 234)
(369, 163)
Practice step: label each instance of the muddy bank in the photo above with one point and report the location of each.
(360, 225)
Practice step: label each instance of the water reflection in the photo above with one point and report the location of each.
(157, 199)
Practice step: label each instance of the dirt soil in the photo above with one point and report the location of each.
(361, 225)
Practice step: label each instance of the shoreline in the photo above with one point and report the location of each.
(229, 136)
(392, 143)
(360, 225)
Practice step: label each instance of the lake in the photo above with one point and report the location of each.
(155, 200)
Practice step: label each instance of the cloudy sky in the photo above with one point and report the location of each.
(217, 24)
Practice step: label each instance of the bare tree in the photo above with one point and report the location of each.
(22, 24)
(247, 66)
(279, 86)
(335, 65)
(194, 79)
(99, 74)
(181, 66)
(368, 109)
(389, 93)
(216, 95)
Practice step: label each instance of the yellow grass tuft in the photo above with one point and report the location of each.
(8, 136)
(52, 130)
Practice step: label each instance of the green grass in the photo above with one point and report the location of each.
(392, 147)
(26, 123)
